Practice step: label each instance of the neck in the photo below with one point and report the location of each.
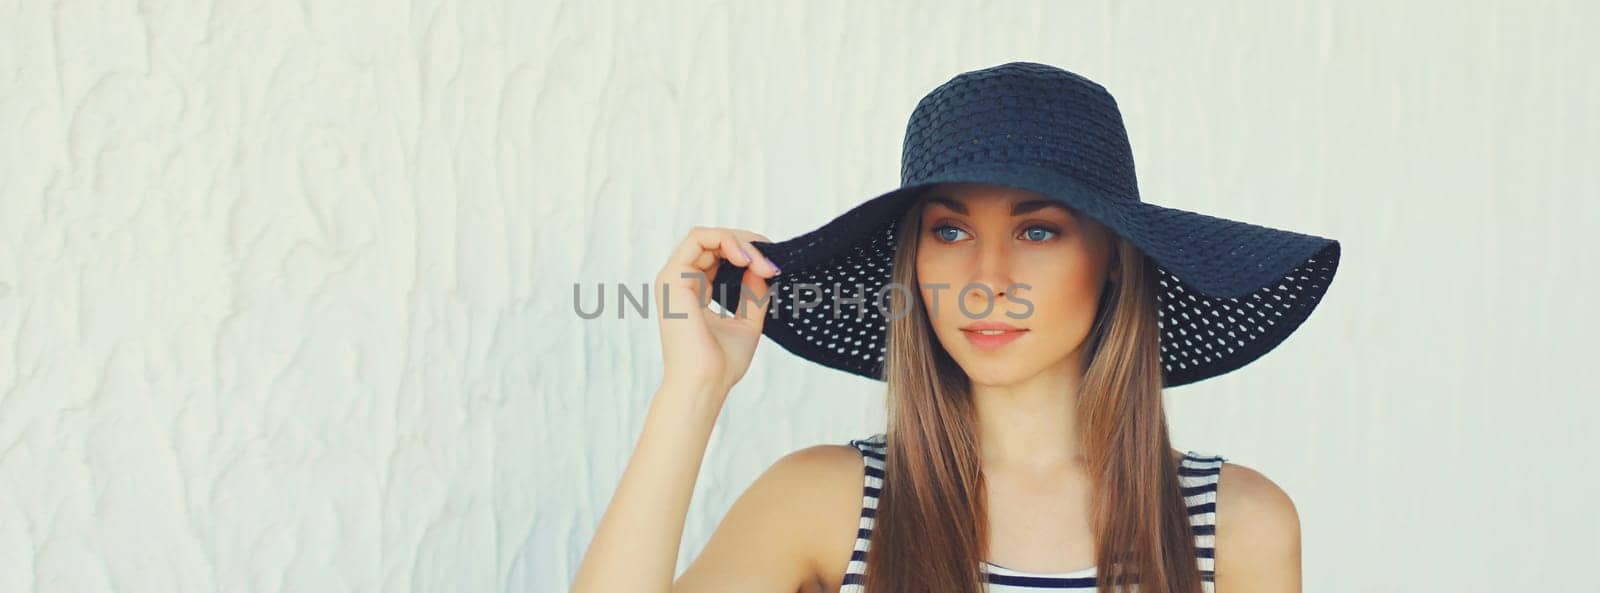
(1030, 425)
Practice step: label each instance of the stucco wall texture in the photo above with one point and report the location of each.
(287, 288)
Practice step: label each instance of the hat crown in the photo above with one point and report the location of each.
(1021, 113)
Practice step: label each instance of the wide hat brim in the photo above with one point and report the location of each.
(1230, 291)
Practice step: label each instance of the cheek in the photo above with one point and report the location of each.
(933, 271)
(1063, 297)
(933, 262)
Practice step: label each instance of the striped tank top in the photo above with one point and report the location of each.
(1197, 474)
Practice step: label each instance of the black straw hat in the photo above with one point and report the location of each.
(1231, 291)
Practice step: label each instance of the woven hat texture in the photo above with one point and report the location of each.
(1230, 291)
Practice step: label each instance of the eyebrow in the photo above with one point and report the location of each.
(1017, 209)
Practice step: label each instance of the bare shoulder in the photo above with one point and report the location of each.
(790, 529)
(824, 482)
(822, 461)
(836, 473)
(1258, 533)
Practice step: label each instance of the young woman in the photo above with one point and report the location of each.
(1044, 309)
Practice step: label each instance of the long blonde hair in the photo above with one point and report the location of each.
(930, 530)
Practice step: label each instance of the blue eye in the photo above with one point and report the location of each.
(1032, 235)
(939, 231)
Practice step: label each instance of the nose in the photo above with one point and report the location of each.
(992, 271)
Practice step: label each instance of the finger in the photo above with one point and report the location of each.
(762, 263)
(747, 240)
(697, 254)
(755, 299)
(715, 244)
(760, 300)
(694, 264)
(754, 257)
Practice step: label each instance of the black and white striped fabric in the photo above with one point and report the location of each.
(1197, 475)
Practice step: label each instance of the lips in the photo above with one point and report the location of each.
(990, 326)
(991, 335)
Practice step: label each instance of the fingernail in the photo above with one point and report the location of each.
(775, 270)
(746, 254)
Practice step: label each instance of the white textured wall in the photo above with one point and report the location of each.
(286, 287)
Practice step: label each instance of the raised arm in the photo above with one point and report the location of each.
(635, 547)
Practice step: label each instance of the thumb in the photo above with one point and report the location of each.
(755, 299)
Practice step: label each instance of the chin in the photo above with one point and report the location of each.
(995, 373)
